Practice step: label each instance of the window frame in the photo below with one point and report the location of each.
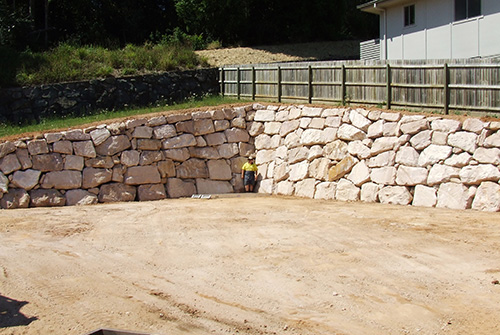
(409, 15)
(465, 10)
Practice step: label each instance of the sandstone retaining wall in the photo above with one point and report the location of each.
(338, 153)
(30, 104)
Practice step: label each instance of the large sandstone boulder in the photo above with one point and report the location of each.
(151, 192)
(182, 141)
(397, 195)
(476, 174)
(305, 188)
(342, 168)
(487, 197)
(116, 192)
(219, 170)
(206, 186)
(84, 149)
(9, 164)
(25, 179)
(113, 145)
(48, 162)
(424, 196)
(46, 198)
(177, 188)
(139, 175)
(16, 198)
(93, 177)
(62, 180)
(192, 168)
(411, 176)
(347, 191)
(325, 190)
(369, 192)
(80, 198)
(454, 196)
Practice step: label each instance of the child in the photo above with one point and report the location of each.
(249, 174)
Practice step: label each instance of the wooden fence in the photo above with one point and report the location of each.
(456, 86)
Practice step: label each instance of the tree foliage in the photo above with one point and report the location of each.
(248, 22)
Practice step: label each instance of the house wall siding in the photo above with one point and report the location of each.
(436, 35)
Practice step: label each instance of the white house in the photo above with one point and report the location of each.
(435, 29)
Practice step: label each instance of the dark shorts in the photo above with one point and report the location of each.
(249, 178)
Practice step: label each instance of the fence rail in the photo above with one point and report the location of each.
(445, 86)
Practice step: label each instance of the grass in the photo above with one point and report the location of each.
(71, 63)
(65, 123)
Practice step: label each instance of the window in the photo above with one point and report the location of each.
(465, 9)
(409, 15)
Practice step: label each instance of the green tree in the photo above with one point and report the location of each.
(15, 25)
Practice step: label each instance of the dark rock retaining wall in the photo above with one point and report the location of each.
(28, 104)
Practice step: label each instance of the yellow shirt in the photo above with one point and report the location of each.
(249, 167)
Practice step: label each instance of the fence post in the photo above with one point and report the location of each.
(279, 83)
(222, 81)
(238, 79)
(253, 82)
(343, 90)
(446, 88)
(309, 84)
(388, 85)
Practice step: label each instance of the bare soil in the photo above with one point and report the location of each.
(249, 264)
(282, 53)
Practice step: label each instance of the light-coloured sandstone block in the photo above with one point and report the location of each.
(446, 125)
(384, 144)
(384, 175)
(439, 138)
(312, 111)
(414, 127)
(266, 186)
(476, 174)
(298, 171)
(347, 191)
(359, 121)
(487, 197)
(463, 140)
(421, 140)
(359, 174)
(407, 156)
(434, 154)
(492, 141)
(305, 188)
(297, 154)
(390, 116)
(264, 115)
(441, 174)
(325, 190)
(272, 128)
(284, 188)
(487, 155)
(460, 160)
(454, 196)
(280, 172)
(336, 150)
(397, 195)
(369, 192)
(474, 125)
(424, 196)
(386, 158)
(318, 168)
(376, 129)
(348, 132)
(4, 184)
(411, 176)
(239, 122)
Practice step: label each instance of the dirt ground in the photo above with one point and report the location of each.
(249, 264)
(282, 53)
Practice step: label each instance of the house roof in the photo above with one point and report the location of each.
(377, 6)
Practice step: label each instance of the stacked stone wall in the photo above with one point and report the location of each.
(32, 104)
(324, 153)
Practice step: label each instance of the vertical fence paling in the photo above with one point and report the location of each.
(404, 85)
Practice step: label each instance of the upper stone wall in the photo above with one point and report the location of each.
(334, 153)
